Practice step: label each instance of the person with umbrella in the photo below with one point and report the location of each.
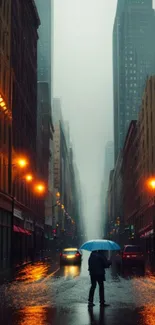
(97, 263)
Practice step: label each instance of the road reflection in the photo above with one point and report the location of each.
(96, 320)
(32, 316)
(148, 315)
(32, 273)
(71, 270)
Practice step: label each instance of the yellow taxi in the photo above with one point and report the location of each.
(70, 256)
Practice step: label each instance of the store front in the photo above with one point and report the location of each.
(22, 239)
(147, 242)
(39, 240)
(5, 238)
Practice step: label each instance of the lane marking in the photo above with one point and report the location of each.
(51, 274)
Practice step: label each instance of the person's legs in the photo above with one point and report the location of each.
(101, 290)
(92, 289)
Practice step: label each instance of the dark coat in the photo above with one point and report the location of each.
(97, 264)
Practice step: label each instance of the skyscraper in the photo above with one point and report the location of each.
(133, 61)
(45, 48)
(44, 110)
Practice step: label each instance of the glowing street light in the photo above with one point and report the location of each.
(29, 178)
(62, 207)
(40, 188)
(22, 162)
(151, 183)
(58, 194)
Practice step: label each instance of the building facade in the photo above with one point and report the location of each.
(130, 177)
(114, 206)
(45, 96)
(109, 207)
(45, 43)
(65, 180)
(145, 222)
(133, 61)
(5, 132)
(138, 168)
(108, 166)
(29, 209)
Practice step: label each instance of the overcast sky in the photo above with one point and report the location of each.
(83, 80)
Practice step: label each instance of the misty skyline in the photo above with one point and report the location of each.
(83, 81)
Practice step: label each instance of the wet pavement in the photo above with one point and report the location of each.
(44, 294)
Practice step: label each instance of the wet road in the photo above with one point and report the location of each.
(44, 294)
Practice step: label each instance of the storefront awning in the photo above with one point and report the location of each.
(16, 229)
(21, 230)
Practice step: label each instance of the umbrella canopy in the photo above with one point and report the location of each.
(100, 244)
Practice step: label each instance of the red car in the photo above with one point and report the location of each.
(132, 255)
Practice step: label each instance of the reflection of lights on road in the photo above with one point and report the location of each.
(32, 273)
(73, 270)
(33, 315)
(148, 315)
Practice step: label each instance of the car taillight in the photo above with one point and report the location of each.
(125, 255)
(60, 254)
(77, 254)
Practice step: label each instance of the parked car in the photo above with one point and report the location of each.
(70, 256)
(132, 255)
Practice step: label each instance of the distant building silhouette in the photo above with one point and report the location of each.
(108, 166)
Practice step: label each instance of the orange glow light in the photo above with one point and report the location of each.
(151, 183)
(62, 207)
(2, 103)
(58, 194)
(40, 188)
(22, 162)
(29, 178)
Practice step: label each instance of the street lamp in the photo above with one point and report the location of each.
(40, 188)
(151, 183)
(21, 162)
(62, 207)
(58, 194)
(29, 178)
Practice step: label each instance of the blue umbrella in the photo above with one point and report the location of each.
(100, 244)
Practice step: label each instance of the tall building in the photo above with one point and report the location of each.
(65, 176)
(108, 166)
(5, 131)
(45, 43)
(108, 162)
(45, 93)
(45, 73)
(28, 211)
(133, 61)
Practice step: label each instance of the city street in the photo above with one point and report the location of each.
(44, 294)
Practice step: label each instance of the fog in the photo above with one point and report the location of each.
(83, 81)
